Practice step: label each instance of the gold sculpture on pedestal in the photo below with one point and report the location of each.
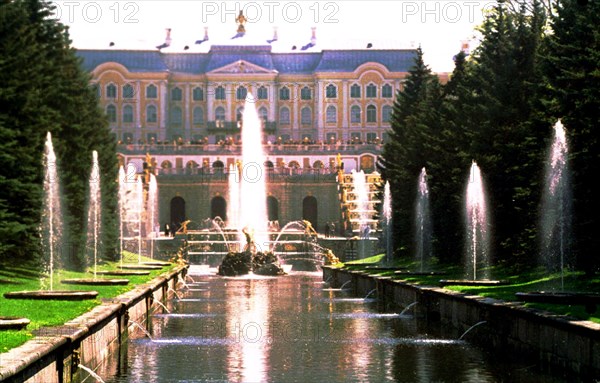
(241, 20)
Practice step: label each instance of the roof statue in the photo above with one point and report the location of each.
(241, 20)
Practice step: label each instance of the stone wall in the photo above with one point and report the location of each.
(55, 353)
(555, 342)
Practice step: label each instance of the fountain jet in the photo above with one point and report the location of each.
(477, 244)
(387, 223)
(423, 222)
(94, 211)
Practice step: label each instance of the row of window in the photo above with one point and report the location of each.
(241, 92)
(284, 114)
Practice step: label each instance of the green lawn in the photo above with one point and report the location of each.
(53, 313)
(521, 281)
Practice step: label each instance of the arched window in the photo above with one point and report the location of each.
(284, 116)
(220, 114)
(128, 113)
(219, 93)
(198, 116)
(331, 91)
(151, 91)
(263, 93)
(239, 114)
(386, 91)
(355, 91)
(263, 113)
(151, 115)
(310, 210)
(218, 208)
(111, 91)
(386, 112)
(284, 93)
(128, 91)
(241, 93)
(177, 212)
(331, 114)
(198, 94)
(355, 114)
(371, 91)
(111, 112)
(306, 116)
(371, 113)
(176, 94)
(305, 93)
(176, 116)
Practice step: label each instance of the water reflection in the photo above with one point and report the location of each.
(285, 330)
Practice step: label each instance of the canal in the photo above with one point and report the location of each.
(297, 329)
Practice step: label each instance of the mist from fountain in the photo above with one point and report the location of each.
(387, 223)
(52, 221)
(556, 204)
(361, 193)
(94, 216)
(152, 212)
(422, 222)
(253, 194)
(477, 233)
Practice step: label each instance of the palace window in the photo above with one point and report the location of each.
(284, 93)
(198, 94)
(219, 93)
(220, 114)
(128, 113)
(371, 113)
(176, 116)
(305, 93)
(176, 94)
(305, 116)
(386, 112)
(331, 114)
(355, 114)
(241, 93)
(128, 91)
(371, 91)
(111, 91)
(263, 93)
(198, 117)
(386, 91)
(151, 91)
(284, 116)
(331, 91)
(263, 113)
(355, 91)
(151, 115)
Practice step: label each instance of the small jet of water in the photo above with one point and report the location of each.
(141, 328)
(91, 372)
(174, 292)
(370, 293)
(471, 328)
(163, 306)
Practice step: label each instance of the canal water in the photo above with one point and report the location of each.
(296, 329)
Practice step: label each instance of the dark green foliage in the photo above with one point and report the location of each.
(572, 70)
(44, 89)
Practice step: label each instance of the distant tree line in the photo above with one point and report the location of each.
(498, 108)
(43, 89)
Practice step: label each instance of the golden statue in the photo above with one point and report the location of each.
(183, 228)
(310, 230)
(241, 20)
(330, 258)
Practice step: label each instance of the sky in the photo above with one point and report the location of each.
(440, 27)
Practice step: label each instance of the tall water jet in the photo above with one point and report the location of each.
(361, 194)
(122, 211)
(422, 221)
(51, 224)
(387, 222)
(477, 235)
(139, 189)
(94, 211)
(556, 205)
(253, 195)
(152, 212)
(233, 207)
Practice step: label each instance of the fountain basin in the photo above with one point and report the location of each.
(56, 295)
(157, 263)
(95, 282)
(123, 273)
(589, 300)
(419, 273)
(13, 323)
(471, 282)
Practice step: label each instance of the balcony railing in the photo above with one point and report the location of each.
(233, 127)
(236, 149)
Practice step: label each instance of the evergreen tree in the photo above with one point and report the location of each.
(44, 89)
(403, 155)
(572, 70)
